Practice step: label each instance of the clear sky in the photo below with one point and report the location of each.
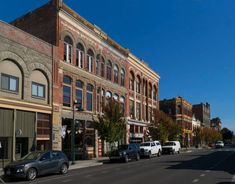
(190, 43)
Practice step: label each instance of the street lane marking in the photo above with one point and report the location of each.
(202, 175)
(207, 171)
(195, 180)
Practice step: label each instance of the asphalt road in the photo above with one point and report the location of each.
(201, 166)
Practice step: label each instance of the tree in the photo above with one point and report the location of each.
(111, 124)
(164, 128)
(226, 134)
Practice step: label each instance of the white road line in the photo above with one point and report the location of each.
(207, 171)
(202, 175)
(195, 180)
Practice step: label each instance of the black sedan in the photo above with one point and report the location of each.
(37, 163)
(125, 152)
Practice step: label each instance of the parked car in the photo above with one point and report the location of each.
(125, 152)
(150, 148)
(171, 147)
(37, 163)
(219, 144)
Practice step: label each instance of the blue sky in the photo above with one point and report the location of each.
(190, 43)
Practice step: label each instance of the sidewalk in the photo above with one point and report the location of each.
(88, 163)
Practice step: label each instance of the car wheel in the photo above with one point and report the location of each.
(179, 152)
(31, 174)
(137, 157)
(150, 154)
(159, 153)
(173, 152)
(64, 169)
(126, 159)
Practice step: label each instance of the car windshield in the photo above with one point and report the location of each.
(123, 147)
(219, 142)
(32, 156)
(169, 144)
(145, 144)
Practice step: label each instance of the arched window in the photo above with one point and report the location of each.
(90, 56)
(115, 97)
(89, 96)
(131, 81)
(116, 73)
(79, 55)
(79, 92)
(102, 66)
(39, 85)
(98, 60)
(150, 91)
(122, 104)
(67, 86)
(138, 84)
(109, 70)
(68, 49)
(108, 94)
(122, 77)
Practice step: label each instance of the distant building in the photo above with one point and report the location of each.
(181, 112)
(202, 113)
(216, 124)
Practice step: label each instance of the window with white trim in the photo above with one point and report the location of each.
(79, 55)
(68, 49)
(90, 58)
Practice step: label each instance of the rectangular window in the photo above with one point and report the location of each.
(132, 109)
(38, 90)
(9, 83)
(79, 97)
(43, 125)
(132, 129)
(66, 96)
(89, 101)
(138, 111)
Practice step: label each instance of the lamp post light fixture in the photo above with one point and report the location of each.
(72, 133)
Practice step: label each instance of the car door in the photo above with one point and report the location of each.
(153, 148)
(45, 164)
(56, 158)
(131, 151)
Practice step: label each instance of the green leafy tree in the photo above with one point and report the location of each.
(164, 128)
(111, 124)
(226, 134)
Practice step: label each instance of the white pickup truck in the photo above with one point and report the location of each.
(150, 149)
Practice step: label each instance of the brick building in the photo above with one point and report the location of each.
(202, 112)
(25, 92)
(181, 112)
(216, 124)
(89, 68)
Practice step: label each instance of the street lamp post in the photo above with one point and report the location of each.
(72, 133)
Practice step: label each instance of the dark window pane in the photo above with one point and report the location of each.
(89, 101)
(66, 96)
